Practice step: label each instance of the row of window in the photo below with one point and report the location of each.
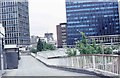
(12, 22)
(9, 29)
(9, 9)
(94, 17)
(91, 12)
(12, 41)
(91, 3)
(9, 3)
(92, 21)
(15, 41)
(108, 39)
(91, 8)
(9, 15)
(12, 35)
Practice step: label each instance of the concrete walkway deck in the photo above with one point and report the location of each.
(29, 66)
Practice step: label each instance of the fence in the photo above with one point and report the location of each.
(104, 63)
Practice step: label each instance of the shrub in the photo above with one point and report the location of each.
(33, 50)
(71, 52)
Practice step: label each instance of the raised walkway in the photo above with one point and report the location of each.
(29, 66)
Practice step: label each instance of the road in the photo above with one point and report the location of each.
(29, 66)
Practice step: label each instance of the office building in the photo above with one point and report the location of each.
(93, 17)
(15, 20)
(61, 35)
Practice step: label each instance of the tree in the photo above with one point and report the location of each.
(40, 45)
(84, 39)
(85, 48)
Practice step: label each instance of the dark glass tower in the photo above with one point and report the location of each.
(93, 17)
(15, 20)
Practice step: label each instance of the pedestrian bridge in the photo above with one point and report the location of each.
(103, 64)
(29, 66)
(56, 63)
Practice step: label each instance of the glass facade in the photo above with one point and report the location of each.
(94, 18)
(15, 20)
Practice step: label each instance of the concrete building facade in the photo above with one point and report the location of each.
(61, 35)
(15, 20)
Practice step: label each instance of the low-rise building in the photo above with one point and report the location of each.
(107, 39)
(33, 41)
(61, 35)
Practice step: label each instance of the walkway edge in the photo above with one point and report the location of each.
(72, 69)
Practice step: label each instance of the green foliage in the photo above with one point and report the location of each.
(98, 49)
(71, 52)
(107, 50)
(84, 39)
(85, 48)
(40, 45)
(43, 46)
(33, 50)
(48, 46)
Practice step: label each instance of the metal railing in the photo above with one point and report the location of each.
(108, 63)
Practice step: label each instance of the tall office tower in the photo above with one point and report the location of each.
(61, 35)
(93, 17)
(15, 20)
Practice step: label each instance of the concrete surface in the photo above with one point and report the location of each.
(29, 66)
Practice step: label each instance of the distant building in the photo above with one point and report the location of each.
(43, 39)
(93, 17)
(61, 35)
(34, 40)
(49, 36)
(107, 39)
(50, 39)
(15, 20)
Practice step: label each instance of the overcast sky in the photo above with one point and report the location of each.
(45, 15)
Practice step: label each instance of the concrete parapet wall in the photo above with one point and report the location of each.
(60, 62)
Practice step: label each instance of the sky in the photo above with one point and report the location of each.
(44, 15)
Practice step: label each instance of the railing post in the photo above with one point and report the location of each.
(72, 61)
(84, 62)
(77, 62)
(93, 59)
(119, 65)
(105, 62)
